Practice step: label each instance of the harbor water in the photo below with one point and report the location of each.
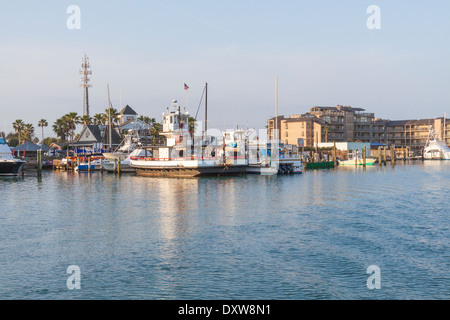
(310, 236)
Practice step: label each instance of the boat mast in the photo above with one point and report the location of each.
(276, 107)
(109, 119)
(206, 107)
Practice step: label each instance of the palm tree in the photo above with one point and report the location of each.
(155, 130)
(98, 119)
(71, 119)
(18, 126)
(61, 129)
(147, 120)
(86, 120)
(27, 132)
(42, 123)
(327, 129)
(111, 116)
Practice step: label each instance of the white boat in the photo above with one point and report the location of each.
(125, 165)
(270, 159)
(355, 159)
(96, 165)
(273, 157)
(130, 142)
(9, 166)
(187, 155)
(434, 148)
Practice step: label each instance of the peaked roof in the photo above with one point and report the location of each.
(93, 134)
(128, 110)
(30, 146)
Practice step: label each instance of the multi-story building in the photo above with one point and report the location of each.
(347, 124)
(307, 127)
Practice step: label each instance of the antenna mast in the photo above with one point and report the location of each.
(85, 73)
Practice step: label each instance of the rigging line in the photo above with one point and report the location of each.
(201, 99)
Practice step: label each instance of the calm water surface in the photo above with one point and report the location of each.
(309, 236)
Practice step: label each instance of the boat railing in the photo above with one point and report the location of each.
(144, 158)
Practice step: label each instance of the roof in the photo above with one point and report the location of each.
(93, 134)
(128, 110)
(31, 147)
(302, 119)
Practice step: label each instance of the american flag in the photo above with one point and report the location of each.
(185, 86)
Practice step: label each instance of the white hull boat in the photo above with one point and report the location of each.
(9, 166)
(435, 149)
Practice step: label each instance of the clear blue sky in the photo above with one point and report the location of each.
(322, 52)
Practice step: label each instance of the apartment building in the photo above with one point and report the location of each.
(348, 124)
(301, 126)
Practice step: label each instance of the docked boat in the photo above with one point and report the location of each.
(185, 154)
(125, 165)
(434, 148)
(130, 142)
(95, 165)
(9, 166)
(270, 159)
(356, 159)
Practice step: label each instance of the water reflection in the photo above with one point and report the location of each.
(244, 237)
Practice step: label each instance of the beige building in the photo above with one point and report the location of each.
(309, 128)
(348, 124)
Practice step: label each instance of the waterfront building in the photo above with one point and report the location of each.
(97, 137)
(127, 114)
(300, 126)
(348, 124)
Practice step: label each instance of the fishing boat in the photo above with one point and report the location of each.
(356, 159)
(185, 154)
(129, 143)
(9, 166)
(435, 149)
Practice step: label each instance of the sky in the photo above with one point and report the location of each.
(322, 52)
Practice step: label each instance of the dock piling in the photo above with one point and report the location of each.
(364, 156)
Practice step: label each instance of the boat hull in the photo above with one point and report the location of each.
(124, 168)
(320, 165)
(11, 168)
(191, 172)
(112, 156)
(369, 162)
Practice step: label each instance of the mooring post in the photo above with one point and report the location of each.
(364, 156)
(393, 155)
(89, 164)
(384, 155)
(379, 156)
(118, 166)
(334, 155)
(39, 162)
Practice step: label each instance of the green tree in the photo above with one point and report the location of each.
(42, 123)
(18, 126)
(71, 119)
(98, 119)
(27, 132)
(61, 129)
(86, 120)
